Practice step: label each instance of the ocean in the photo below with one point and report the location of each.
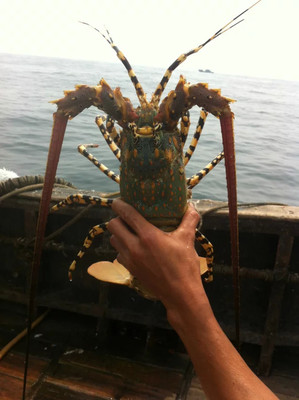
(266, 126)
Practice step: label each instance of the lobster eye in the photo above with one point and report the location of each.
(132, 127)
(158, 126)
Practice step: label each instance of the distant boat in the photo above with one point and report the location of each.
(206, 71)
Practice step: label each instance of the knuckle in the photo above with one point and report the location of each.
(145, 236)
(148, 238)
(194, 215)
(112, 224)
(135, 252)
(112, 240)
(193, 211)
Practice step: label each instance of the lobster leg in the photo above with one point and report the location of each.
(208, 248)
(114, 148)
(82, 148)
(196, 136)
(114, 272)
(207, 274)
(161, 86)
(95, 231)
(111, 129)
(195, 179)
(139, 91)
(83, 200)
(185, 125)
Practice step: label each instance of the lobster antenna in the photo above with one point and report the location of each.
(139, 91)
(161, 86)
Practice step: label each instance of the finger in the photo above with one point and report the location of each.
(189, 222)
(119, 258)
(122, 260)
(116, 224)
(114, 241)
(123, 256)
(131, 217)
(118, 228)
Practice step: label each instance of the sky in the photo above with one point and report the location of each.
(156, 32)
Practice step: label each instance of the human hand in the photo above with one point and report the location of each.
(166, 263)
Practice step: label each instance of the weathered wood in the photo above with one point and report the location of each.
(51, 391)
(92, 382)
(13, 365)
(80, 374)
(252, 273)
(263, 218)
(20, 336)
(167, 379)
(10, 387)
(260, 227)
(12, 372)
(186, 382)
(284, 251)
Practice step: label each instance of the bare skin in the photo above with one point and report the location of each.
(168, 265)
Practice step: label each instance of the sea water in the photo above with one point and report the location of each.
(266, 126)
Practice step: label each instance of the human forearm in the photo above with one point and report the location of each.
(219, 367)
(169, 267)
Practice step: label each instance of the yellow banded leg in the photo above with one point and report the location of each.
(95, 231)
(139, 91)
(196, 136)
(114, 148)
(162, 84)
(195, 179)
(82, 148)
(83, 200)
(112, 130)
(209, 250)
(185, 125)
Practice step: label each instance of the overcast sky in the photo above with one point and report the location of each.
(155, 32)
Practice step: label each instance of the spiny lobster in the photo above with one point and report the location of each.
(150, 148)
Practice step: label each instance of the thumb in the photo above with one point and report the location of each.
(189, 221)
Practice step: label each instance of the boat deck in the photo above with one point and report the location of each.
(101, 341)
(68, 362)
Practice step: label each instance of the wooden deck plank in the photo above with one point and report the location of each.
(13, 365)
(12, 373)
(107, 385)
(50, 391)
(10, 388)
(155, 376)
(283, 385)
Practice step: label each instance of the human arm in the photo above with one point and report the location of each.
(168, 266)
